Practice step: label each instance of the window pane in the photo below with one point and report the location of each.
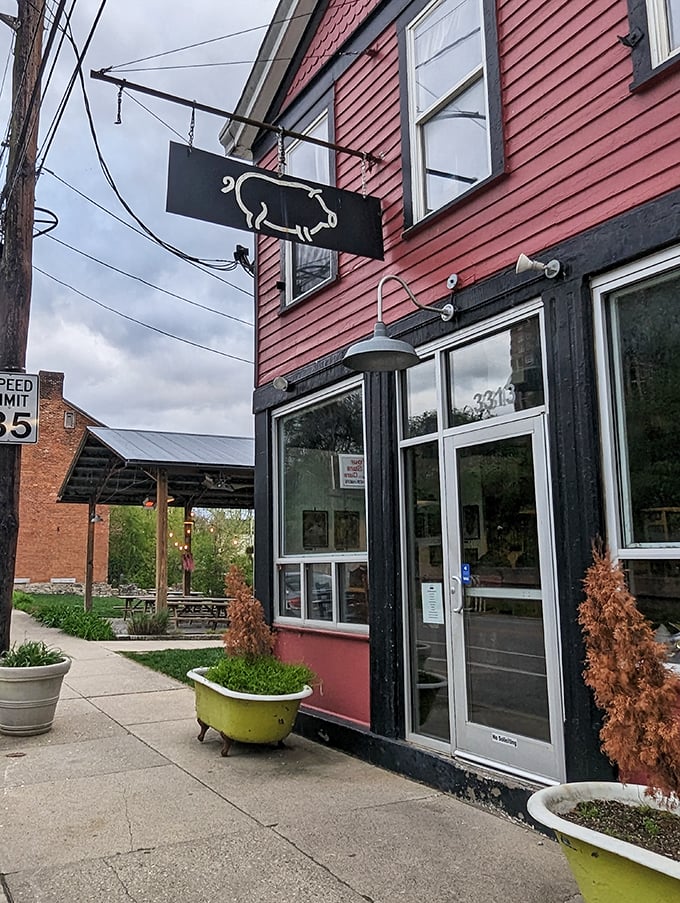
(645, 336)
(455, 147)
(656, 587)
(309, 267)
(319, 585)
(290, 594)
(322, 477)
(674, 23)
(420, 394)
(427, 631)
(497, 375)
(353, 582)
(447, 46)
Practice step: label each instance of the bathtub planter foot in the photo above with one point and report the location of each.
(606, 870)
(243, 717)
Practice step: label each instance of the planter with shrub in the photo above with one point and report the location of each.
(31, 675)
(249, 696)
(636, 859)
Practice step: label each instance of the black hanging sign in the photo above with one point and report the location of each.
(232, 193)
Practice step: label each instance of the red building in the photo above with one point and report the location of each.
(422, 535)
(52, 544)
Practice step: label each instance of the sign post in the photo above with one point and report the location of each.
(19, 405)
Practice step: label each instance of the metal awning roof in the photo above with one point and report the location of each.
(119, 467)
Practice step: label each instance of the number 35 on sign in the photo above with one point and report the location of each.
(19, 402)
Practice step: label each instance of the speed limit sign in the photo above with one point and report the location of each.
(19, 403)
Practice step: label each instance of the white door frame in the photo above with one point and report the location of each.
(498, 748)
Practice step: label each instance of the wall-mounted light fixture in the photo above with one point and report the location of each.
(281, 383)
(96, 519)
(149, 502)
(526, 265)
(381, 352)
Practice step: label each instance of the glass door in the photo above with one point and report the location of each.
(505, 652)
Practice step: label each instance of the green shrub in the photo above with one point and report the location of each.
(30, 654)
(144, 624)
(263, 676)
(77, 622)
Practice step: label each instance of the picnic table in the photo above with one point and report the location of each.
(210, 609)
(137, 602)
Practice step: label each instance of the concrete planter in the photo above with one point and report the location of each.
(29, 696)
(606, 870)
(244, 717)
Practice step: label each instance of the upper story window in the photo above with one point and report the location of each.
(664, 29)
(451, 141)
(306, 267)
(654, 37)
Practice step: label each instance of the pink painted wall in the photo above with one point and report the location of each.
(341, 662)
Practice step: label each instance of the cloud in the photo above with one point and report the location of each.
(118, 371)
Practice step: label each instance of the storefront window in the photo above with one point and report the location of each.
(322, 563)
(420, 400)
(498, 375)
(638, 323)
(645, 338)
(427, 629)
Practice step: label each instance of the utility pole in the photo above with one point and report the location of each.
(16, 265)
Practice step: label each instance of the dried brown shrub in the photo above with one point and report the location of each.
(248, 633)
(625, 671)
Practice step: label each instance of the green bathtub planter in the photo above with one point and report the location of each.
(243, 717)
(606, 870)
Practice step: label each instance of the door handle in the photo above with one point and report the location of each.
(454, 579)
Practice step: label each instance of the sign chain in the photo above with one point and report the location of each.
(119, 121)
(282, 153)
(192, 125)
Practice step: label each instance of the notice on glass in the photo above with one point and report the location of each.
(433, 603)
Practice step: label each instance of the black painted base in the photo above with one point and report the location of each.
(507, 796)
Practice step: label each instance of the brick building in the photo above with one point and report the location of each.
(52, 536)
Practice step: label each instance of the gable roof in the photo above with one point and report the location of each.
(117, 467)
(281, 42)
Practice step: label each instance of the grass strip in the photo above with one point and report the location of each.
(176, 662)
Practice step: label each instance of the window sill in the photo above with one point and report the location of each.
(470, 196)
(339, 631)
(647, 75)
(292, 305)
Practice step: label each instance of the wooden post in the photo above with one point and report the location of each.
(188, 532)
(16, 265)
(89, 561)
(161, 540)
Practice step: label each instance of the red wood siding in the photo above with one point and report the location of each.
(339, 22)
(579, 147)
(340, 661)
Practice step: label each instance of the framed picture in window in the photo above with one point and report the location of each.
(315, 529)
(346, 530)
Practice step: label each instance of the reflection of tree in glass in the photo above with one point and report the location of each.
(336, 426)
(650, 376)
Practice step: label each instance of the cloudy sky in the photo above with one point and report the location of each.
(120, 372)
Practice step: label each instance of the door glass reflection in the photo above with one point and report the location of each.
(505, 669)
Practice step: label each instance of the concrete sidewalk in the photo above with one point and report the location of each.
(120, 803)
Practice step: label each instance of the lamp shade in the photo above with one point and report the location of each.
(380, 352)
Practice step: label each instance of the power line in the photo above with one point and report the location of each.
(220, 313)
(112, 310)
(123, 222)
(280, 59)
